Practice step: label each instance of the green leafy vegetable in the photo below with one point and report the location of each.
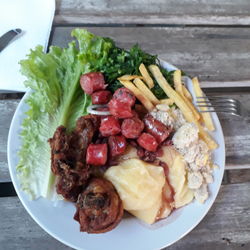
(57, 98)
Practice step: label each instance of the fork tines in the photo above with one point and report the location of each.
(218, 104)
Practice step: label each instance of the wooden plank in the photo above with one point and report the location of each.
(7, 109)
(239, 176)
(19, 231)
(227, 84)
(213, 54)
(191, 12)
(225, 226)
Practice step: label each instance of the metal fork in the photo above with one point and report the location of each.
(220, 104)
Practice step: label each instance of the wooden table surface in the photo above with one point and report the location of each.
(208, 39)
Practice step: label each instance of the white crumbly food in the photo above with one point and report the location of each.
(185, 136)
(197, 155)
(171, 117)
(201, 194)
(162, 114)
(195, 180)
(179, 118)
(194, 150)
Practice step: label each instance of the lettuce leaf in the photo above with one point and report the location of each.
(56, 99)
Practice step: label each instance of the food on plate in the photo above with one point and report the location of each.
(117, 145)
(92, 82)
(140, 85)
(156, 128)
(187, 112)
(129, 77)
(177, 168)
(148, 142)
(139, 94)
(101, 97)
(179, 89)
(68, 154)
(132, 127)
(198, 157)
(110, 125)
(167, 101)
(177, 82)
(111, 130)
(206, 115)
(121, 103)
(187, 93)
(99, 207)
(139, 185)
(146, 76)
(97, 154)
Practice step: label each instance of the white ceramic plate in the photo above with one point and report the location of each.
(130, 233)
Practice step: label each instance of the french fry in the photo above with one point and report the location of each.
(129, 77)
(139, 95)
(205, 115)
(192, 107)
(186, 111)
(171, 93)
(147, 78)
(187, 93)
(146, 91)
(179, 89)
(177, 82)
(167, 101)
(206, 137)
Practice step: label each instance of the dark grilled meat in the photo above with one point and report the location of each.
(68, 156)
(99, 207)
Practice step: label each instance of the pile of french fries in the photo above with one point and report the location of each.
(141, 85)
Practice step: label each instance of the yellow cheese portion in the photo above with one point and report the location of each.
(148, 215)
(139, 185)
(177, 176)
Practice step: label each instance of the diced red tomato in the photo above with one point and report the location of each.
(117, 144)
(148, 142)
(97, 154)
(109, 126)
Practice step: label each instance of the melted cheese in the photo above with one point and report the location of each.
(177, 176)
(139, 185)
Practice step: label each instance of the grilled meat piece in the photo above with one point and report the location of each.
(99, 207)
(68, 156)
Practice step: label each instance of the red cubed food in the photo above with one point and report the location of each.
(119, 109)
(97, 154)
(109, 126)
(148, 142)
(135, 114)
(101, 97)
(92, 82)
(124, 95)
(117, 144)
(156, 128)
(132, 127)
